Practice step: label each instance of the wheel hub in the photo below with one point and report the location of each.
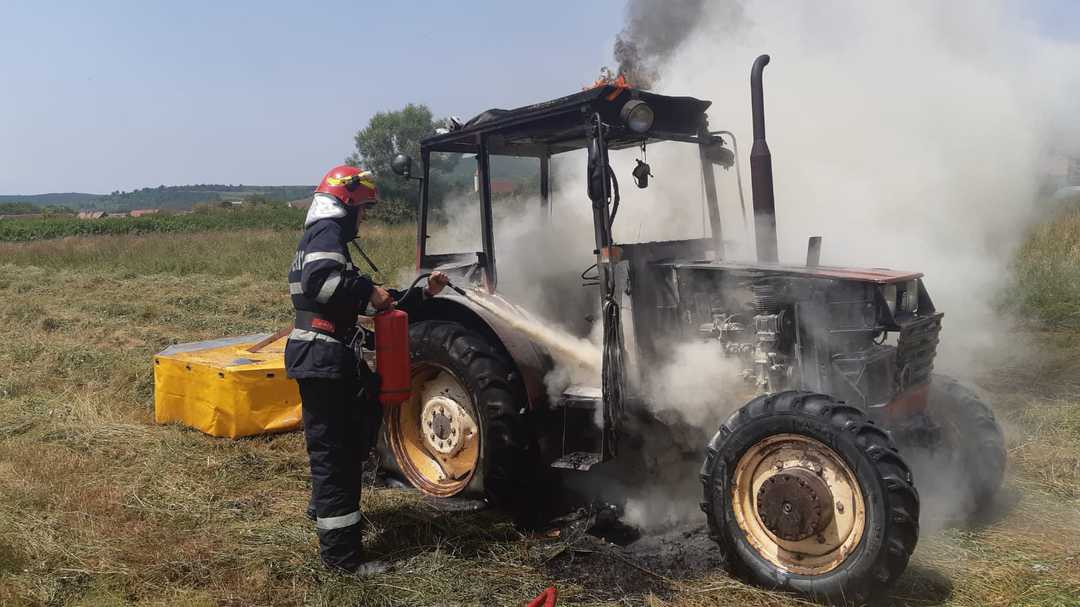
(795, 504)
(434, 435)
(443, 420)
(798, 502)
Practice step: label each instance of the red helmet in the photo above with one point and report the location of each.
(350, 185)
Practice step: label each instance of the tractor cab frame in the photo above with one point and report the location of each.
(597, 119)
(607, 117)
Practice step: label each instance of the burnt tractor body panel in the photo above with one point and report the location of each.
(824, 330)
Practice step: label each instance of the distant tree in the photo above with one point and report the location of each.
(390, 133)
(18, 208)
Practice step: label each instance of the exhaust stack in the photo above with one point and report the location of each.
(761, 179)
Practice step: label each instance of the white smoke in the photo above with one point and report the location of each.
(907, 134)
(700, 383)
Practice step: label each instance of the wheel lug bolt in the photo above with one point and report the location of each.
(840, 507)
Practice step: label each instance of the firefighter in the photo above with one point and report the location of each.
(339, 392)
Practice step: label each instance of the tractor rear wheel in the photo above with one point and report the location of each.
(973, 443)
(804, 493)
(463, 430)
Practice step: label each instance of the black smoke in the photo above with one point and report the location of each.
(654, 30)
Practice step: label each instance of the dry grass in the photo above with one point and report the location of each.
(98, 506)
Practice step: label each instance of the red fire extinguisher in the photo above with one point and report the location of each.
(392, 356)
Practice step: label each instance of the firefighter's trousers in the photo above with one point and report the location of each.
(340, 425)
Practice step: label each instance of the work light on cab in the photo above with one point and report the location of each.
(637, 115)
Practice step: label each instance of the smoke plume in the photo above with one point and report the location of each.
(908, 135)
(653, 31)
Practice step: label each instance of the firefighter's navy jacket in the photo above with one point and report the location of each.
(327, 293)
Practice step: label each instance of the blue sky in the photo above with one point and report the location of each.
(99, 96)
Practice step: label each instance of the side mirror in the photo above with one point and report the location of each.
(402, 165)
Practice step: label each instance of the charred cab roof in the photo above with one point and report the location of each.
(559, 125)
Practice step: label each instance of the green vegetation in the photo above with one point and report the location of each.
(389, 133)
(277, 217)
(72, 200)
(26, 208)
(1047, 271)
(260, 254)
(181, 197)
(268, 216)
(185, 196)
(400, 131)
(100, 506)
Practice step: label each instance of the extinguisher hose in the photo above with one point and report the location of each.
(409, 291)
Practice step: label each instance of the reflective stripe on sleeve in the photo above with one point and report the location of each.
(337, 522)
(310, 257)
(328, 287)
(295, 288)
(304, 335)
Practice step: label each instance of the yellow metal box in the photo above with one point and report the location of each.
(223, 389)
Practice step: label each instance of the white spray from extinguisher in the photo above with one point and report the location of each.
(565, 348)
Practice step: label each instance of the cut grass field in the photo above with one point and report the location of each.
(99, 506)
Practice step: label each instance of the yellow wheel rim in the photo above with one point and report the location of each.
(435, 435)
(799, 505)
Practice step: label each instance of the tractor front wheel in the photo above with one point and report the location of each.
(804, 493)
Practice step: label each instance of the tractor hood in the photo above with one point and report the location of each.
(874, 275)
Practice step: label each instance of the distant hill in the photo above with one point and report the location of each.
(68, 199)
(163, 197)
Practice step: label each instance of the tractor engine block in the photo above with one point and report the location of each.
(761, 336)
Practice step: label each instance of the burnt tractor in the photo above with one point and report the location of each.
(804, 486)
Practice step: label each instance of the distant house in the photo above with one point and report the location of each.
(141, 212)
(498, 186)
(501, 186)
(302, 203)
(91, 214)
